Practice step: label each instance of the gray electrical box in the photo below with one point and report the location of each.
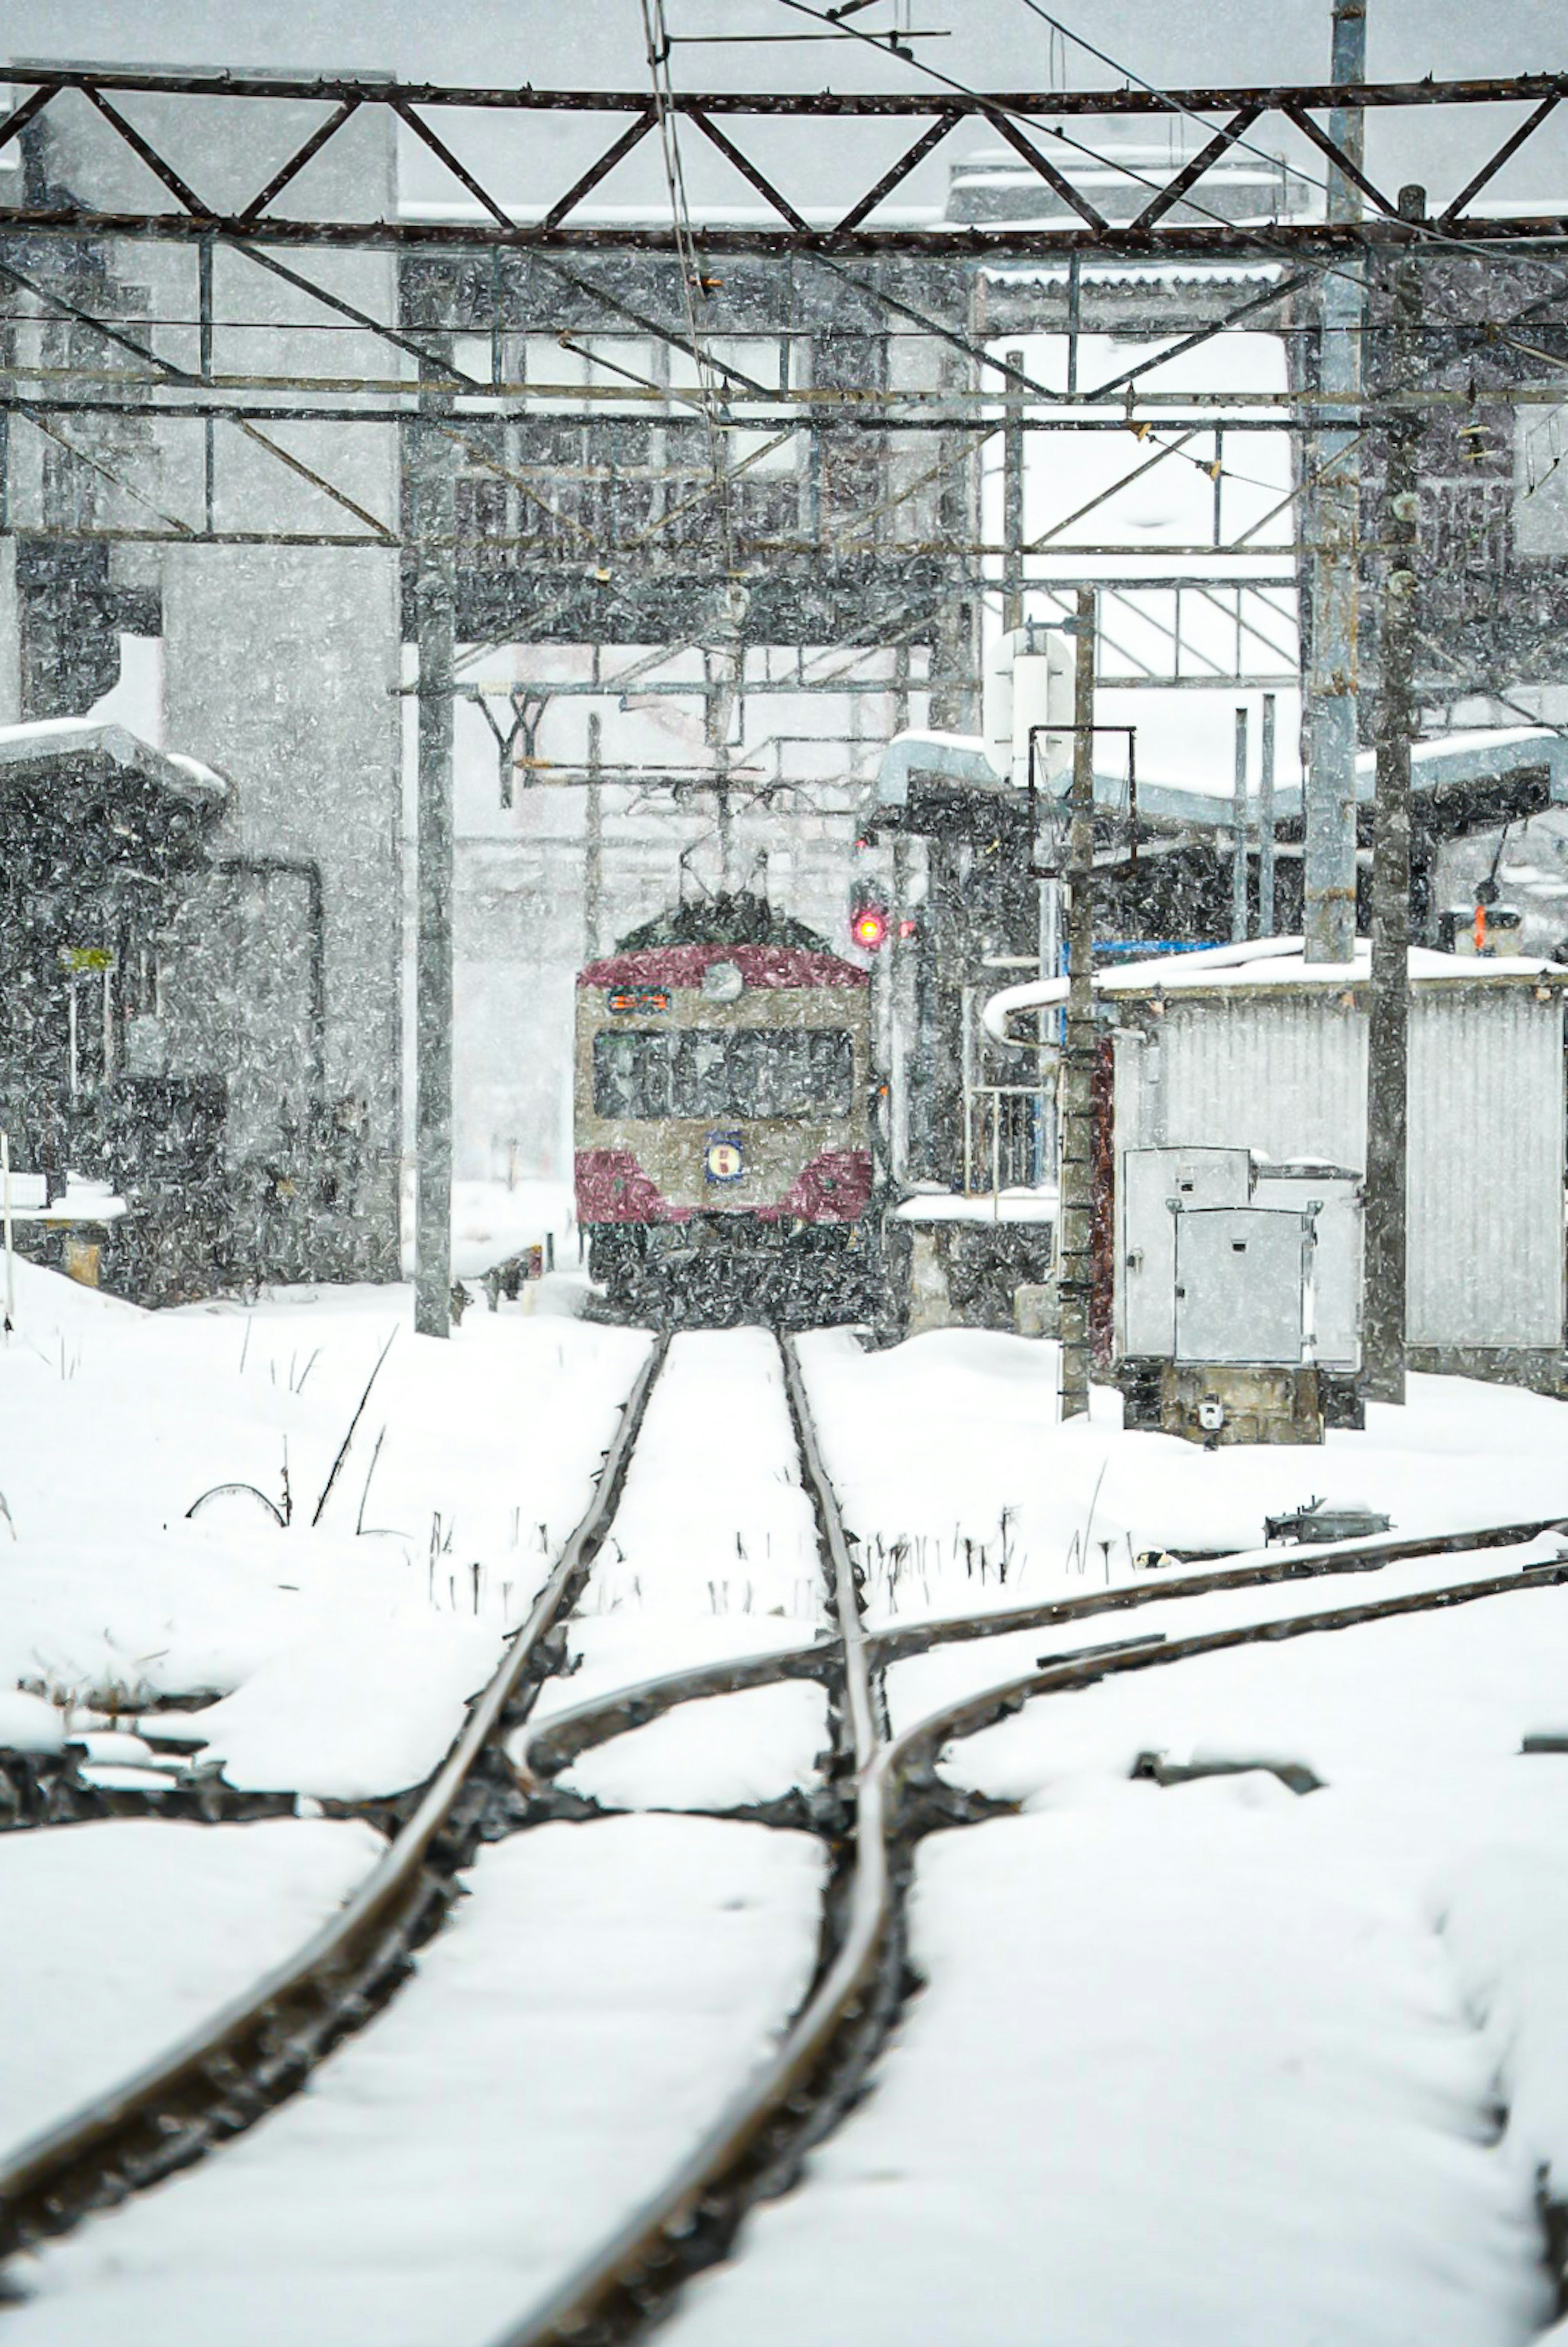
(1152, 1181)
(1242, 1276)
(1332, 1195)
(1283, 1287)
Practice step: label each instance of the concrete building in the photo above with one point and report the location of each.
(278, 664)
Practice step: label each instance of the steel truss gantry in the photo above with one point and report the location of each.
(1028, 121)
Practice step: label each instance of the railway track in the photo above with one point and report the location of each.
(754, 2148)
(260, 2049)
(885, 1793)
(554, 1746)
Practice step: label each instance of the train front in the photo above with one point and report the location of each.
(722, 1095)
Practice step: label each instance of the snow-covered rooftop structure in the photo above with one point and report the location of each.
(1266, 965)
(1465, 770)
(94, 763)
(1468, 761)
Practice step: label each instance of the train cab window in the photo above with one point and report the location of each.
(631, 1075)
(794, 1072)
(702, 1083)
(708, 1071)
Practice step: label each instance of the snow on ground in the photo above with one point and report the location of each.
(968, 1494)
(583, 2016)
(1215, 2061)
(344, 1651)
(122, 1935)
(721, 1753)
(492, 1221)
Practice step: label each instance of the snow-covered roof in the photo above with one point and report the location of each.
(1479, 755)
(44, 742)
(1263, 965)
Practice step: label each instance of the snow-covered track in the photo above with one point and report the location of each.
(558, 1741)
(911, 1759)
(799, 2091)
(259, 2048)
(758, 2141)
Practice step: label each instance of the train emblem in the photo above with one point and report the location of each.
(722, 1161)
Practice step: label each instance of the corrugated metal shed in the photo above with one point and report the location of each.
(1283, 1071)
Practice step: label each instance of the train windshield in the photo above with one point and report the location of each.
(703, 1072)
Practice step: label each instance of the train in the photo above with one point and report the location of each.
(724, 1113)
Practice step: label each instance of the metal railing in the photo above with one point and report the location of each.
(1009, 1138)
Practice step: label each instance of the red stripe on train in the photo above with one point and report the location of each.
(761, 966)
(835, 1187)
(612, 1187)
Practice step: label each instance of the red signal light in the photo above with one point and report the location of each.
(869, 928)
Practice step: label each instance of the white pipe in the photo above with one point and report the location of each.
(1044, 994)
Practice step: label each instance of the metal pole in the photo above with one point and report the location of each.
(1238, 834)
(1329, 875)
(5, 1212)
(1076, 1212)
(1012, 504)
(1266, 821)
(594, 859)
(1050, 1024)
(432, 498)
(966, 1030)
(1388, 1039)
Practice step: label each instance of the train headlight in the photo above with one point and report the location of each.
(723, 981)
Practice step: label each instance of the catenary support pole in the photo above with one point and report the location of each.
(6, 1214)
(1266, 821)
(1049, 1026)
(1012, 503)
(431, 503)
(1330, 715)
(1238, 834)
(1076, 1210)
(1388, 1039)
(594, 846)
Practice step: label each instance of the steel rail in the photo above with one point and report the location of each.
(918, 1747)
(558, 1741)
(762, 2130)
(259, 2048)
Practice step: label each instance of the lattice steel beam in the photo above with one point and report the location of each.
(1021, 118)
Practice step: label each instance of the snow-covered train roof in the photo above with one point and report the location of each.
(738, 919)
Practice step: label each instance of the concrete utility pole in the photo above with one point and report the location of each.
(1012, 504)
(1076, 1212)
(1388, 1039)
(594, 856)
(433, 518)
(1330, 916)
(1266, 821)
(1238, 834)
